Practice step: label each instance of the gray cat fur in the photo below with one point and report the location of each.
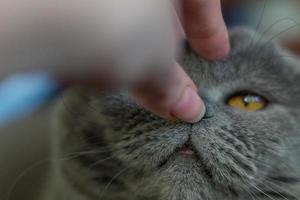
(108, 148)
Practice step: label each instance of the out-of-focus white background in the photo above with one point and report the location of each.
(24, 145)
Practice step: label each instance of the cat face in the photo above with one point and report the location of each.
(252, 121)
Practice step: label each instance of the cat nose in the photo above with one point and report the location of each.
(207, 116)
(209, 108)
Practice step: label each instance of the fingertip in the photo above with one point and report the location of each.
(190, 107)
(174, 98)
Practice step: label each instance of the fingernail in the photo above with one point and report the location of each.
(190, 107)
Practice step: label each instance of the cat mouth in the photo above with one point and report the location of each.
(184, 151)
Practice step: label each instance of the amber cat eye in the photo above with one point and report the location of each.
(247, 101)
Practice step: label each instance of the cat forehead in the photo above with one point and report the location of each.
(251, 56)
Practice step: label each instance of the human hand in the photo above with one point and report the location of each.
(176, 96)
(131, 43)
(167, 90)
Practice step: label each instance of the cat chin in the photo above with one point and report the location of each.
(187, 177)
(193, 174)
(182, 161)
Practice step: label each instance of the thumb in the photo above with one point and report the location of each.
(171, 94)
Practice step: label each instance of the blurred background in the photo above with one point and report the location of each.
(273, 18)
(24, 144)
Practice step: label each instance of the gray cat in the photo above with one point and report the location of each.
(108, 148)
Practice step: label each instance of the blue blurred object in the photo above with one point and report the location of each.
(23, 94)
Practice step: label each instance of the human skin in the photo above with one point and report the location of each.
(155, 80)
(206, 32)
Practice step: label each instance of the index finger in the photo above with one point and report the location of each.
(205, 28)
